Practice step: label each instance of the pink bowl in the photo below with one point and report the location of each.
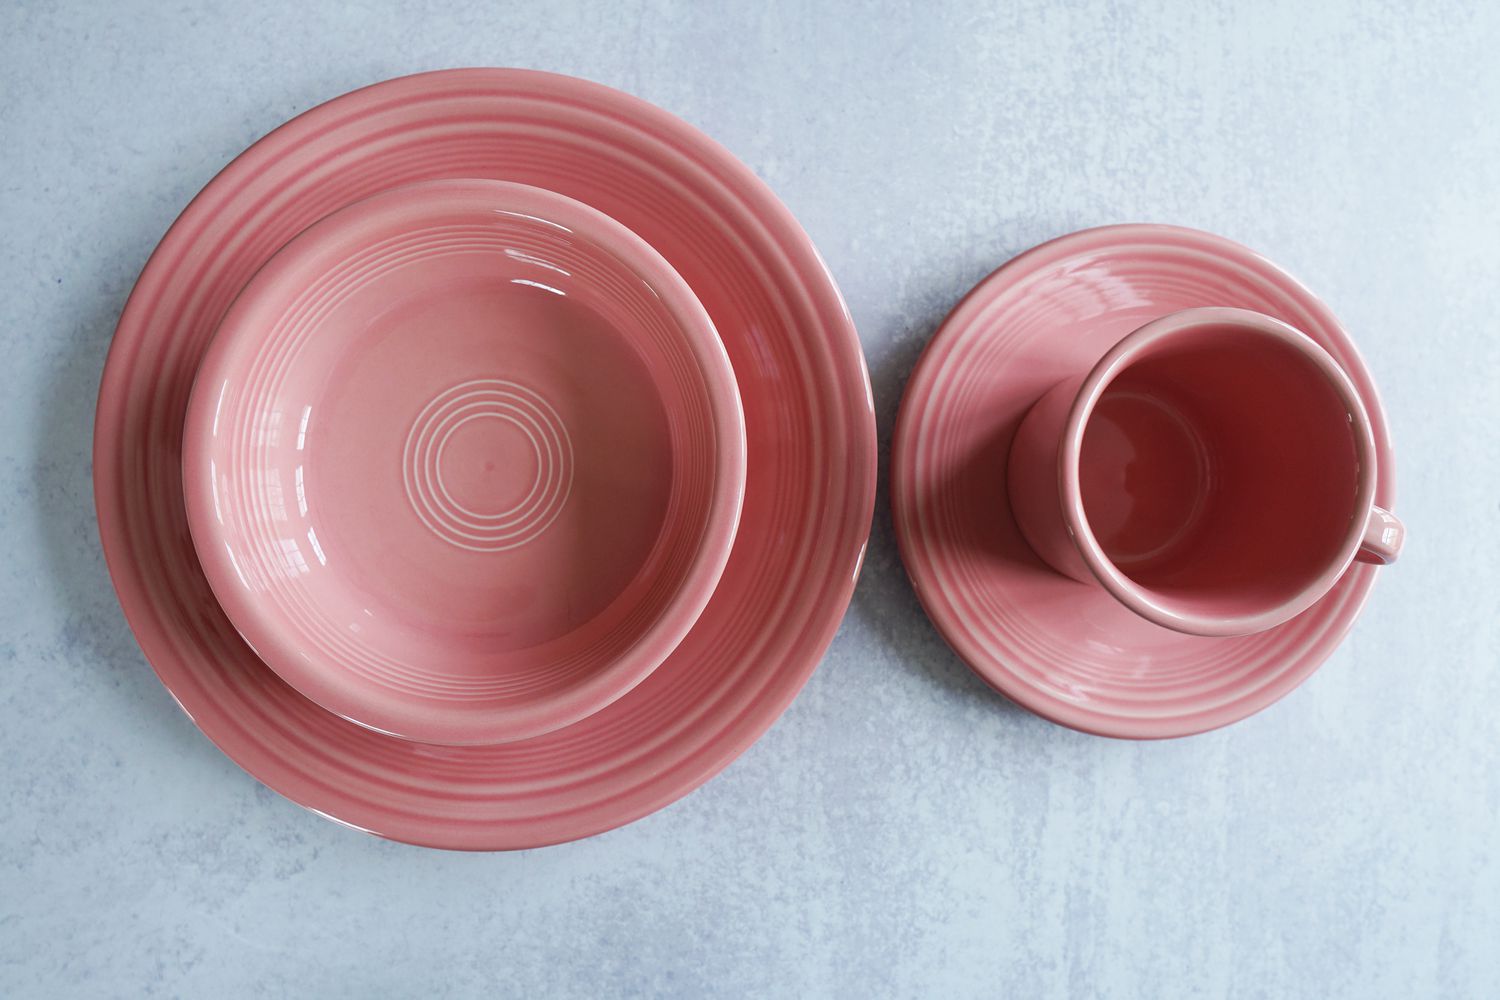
(464, 461)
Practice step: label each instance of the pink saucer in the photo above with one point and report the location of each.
(464, 460)
(1070, 652)
(810, 456)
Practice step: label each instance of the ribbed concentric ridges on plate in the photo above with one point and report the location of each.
(811, 454)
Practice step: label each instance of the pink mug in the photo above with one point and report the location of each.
(1214, 471)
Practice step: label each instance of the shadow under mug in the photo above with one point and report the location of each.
(1214, 471)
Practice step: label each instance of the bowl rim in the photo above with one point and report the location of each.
(278, 279)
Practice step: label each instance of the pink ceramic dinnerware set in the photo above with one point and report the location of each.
(485, 459)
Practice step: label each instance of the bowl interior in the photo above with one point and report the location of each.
(464, 461)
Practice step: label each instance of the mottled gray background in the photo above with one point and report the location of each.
(901, 831)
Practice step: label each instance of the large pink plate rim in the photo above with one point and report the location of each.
(996, 619)
(811, 458)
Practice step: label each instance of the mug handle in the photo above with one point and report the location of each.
(1384, 535)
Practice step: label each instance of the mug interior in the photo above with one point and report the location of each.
(1220, 473)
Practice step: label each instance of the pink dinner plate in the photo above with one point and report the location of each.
(464, 460)
(810, 456)
(1068, 651)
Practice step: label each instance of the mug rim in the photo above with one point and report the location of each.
(1140, 599)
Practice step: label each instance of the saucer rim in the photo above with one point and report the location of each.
(1055, 253)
